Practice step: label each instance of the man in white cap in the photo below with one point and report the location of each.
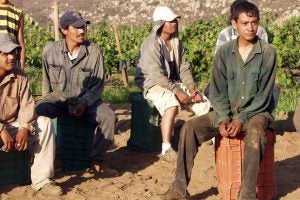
(18, 128)
(73, 80)
(164, 75)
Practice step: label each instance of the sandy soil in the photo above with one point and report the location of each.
(144, 176)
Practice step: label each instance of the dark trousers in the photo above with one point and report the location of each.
(200, 129)
(99, 114)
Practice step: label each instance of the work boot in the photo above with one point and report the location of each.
(51, 189)
(100, 167)
(174, 195)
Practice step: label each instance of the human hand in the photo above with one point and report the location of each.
(182, 97)
(223, 128)
(8, 142)
(235, 127)
(78, 110)
(21, 143)
(196, 97)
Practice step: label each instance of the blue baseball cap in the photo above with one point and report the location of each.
(72, 18)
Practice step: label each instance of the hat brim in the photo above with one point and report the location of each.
(171, 18)
(8, 47)
(80, 23)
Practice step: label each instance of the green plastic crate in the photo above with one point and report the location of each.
(14, 167)
(74, 142)
(145, 125)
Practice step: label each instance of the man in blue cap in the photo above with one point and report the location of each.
(73, 80)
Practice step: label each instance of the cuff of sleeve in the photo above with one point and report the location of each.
(222, 119)
(84, 101)
(175, 89)
(28, 126)
(241, 118)
(191, 87)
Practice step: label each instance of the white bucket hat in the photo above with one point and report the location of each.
(164, 13)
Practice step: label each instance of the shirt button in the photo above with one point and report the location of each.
(243, 97)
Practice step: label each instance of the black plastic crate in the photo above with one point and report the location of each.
(145, 125)
(14, 167)
(74, 142)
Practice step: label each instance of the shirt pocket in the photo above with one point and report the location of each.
(85, 76)
(10, 108)
(57, 77)
(231, 76)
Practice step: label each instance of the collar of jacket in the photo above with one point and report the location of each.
(83, 47)
(10, 75)
(257, 48)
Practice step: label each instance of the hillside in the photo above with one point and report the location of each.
(140, 11)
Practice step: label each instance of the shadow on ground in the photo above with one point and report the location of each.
(287, 176)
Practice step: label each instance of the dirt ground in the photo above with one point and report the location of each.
(143, 176)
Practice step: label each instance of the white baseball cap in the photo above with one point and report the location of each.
(164, 13)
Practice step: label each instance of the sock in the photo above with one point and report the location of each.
(165, 147)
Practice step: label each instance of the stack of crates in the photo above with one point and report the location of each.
(229, 155)
(74, 142)
(14, 167)
(145, 125)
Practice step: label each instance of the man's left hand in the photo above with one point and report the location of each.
(235, 127)
(196, 97)
(78, 110)
(21, 143)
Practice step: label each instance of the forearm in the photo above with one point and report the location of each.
(22, 58)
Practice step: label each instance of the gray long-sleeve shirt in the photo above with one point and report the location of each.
(153, 67)
(241, 89)
(80, 81)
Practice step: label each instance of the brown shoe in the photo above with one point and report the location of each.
(174, 195)
(51, 189)
(99, 167)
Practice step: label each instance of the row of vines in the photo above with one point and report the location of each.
(199, 39)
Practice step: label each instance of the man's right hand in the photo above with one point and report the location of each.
(223, 128)
(182, 97)
(7, 141)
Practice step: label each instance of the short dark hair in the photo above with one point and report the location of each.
(244, 7)
(234, 4)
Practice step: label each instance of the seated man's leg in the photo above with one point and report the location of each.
(296, 118)
(43, 146)
(50, 106)
(105, 117)
(193, 133)
(167, 105)
(255, 141)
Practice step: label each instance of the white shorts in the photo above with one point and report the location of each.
(164, 99)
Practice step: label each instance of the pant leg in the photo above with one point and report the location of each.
(193, 133)
(105, 118)
(254, 142)
(51, 106)
(296, 118)
(43, 147)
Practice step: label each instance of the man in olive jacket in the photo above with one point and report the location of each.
(241, 88)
